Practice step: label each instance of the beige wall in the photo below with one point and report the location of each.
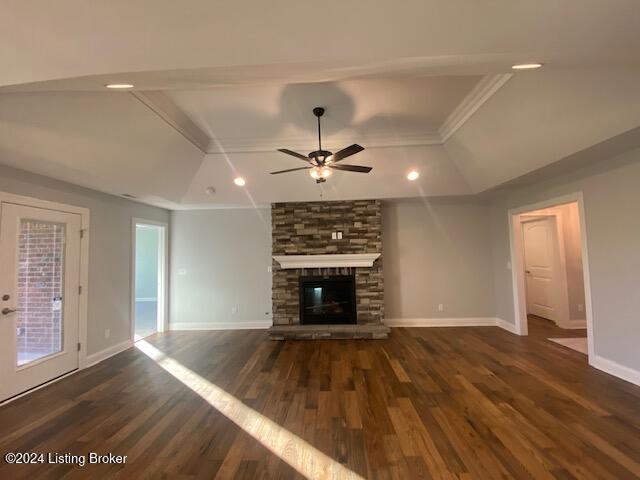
(437, 252)
(109, 249)
(219, 262)
(611, 199)
(573, 256)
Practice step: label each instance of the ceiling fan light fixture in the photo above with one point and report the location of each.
(320, 172)
(321, 163)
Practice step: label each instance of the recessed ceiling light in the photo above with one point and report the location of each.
(526, 66)
(210, 191)
(120, 86)
(413, 175)
(239, 181)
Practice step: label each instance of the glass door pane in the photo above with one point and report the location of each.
(147, 257)
(39, 290)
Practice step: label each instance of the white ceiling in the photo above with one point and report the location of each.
(372, 112)
(424, 86)
(42, 40)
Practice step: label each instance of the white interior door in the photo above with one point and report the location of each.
(540, 268)
(39, 296)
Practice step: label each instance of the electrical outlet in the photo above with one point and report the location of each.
(334, 235)
(440, 307)
(234, 310)
(182, 271)
(269, 269)
(339, 235)
(107, 333)
(580, 307)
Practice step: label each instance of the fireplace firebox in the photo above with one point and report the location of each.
(328, 300)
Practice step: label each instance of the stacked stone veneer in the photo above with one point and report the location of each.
(305, 229)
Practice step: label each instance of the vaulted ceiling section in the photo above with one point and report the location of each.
(219, 87)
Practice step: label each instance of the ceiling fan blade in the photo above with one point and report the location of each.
(351, 168)
(290, 170)
(295, 154)
(346, 152)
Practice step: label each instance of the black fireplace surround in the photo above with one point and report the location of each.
(328, 300)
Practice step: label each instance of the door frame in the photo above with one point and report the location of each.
(559, 263)
(517, 263)
(84, 258)
(163, 274)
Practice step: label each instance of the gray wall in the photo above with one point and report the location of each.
(611, 199)
(110, 249)
(220, 261)
(437, 251)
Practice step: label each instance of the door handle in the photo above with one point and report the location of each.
(7, 311)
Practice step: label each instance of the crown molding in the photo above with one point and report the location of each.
(251, 145)
(164, 107)
(478, 96)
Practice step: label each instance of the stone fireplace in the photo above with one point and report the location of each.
(315, 245)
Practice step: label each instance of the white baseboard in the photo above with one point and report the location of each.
(441, 322)
(220, 326)
(107, 352)
(452, 322)
(615, 369)
(508, 326)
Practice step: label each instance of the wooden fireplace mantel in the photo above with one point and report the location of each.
(327, 260)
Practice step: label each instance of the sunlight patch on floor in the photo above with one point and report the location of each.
(299, 454)
(579, 344)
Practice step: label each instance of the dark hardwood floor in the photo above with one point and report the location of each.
(426, 403)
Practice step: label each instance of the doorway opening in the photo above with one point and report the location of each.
(148, 309)
(550, 272)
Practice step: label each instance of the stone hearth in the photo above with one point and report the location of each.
(320, 332)
(305, 229)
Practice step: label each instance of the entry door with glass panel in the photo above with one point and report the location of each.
(39, 296)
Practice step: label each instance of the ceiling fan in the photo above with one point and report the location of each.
(322, 162)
